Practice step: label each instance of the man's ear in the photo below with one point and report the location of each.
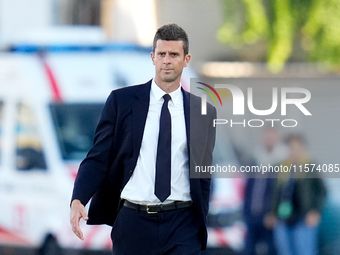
(187, 59)
(153, 57)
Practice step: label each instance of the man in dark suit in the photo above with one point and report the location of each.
(138, 170)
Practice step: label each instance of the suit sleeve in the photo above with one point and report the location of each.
(207, 161)
(94, 167)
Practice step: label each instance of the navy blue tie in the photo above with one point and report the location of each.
(163, 158)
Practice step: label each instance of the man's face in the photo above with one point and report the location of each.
(169, 60)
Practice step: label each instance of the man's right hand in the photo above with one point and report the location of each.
(78, 211)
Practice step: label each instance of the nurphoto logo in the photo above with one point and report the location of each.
(238, 104)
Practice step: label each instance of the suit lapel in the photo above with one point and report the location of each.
(196, 140)
(194, 182)
(186, 105)
(140, 110)
(195, 154)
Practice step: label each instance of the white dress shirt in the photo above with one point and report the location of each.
(140, 187)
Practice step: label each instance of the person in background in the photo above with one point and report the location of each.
(297, 202)
(259, 238)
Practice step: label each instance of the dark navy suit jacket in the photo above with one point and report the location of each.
(111, 161)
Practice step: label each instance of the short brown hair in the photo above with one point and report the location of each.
(172, 32)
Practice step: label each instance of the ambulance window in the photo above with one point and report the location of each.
(29, 154)
(1, 127)
(75, 125)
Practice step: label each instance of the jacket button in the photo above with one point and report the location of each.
(130, 171)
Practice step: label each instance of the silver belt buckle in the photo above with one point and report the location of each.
(148, 208)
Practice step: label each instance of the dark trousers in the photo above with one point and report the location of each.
(165, 233)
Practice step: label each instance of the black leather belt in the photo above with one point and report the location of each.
(151, 209)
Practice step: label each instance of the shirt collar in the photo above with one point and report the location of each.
(176, 96)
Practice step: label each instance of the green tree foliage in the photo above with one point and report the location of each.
(313, 23)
